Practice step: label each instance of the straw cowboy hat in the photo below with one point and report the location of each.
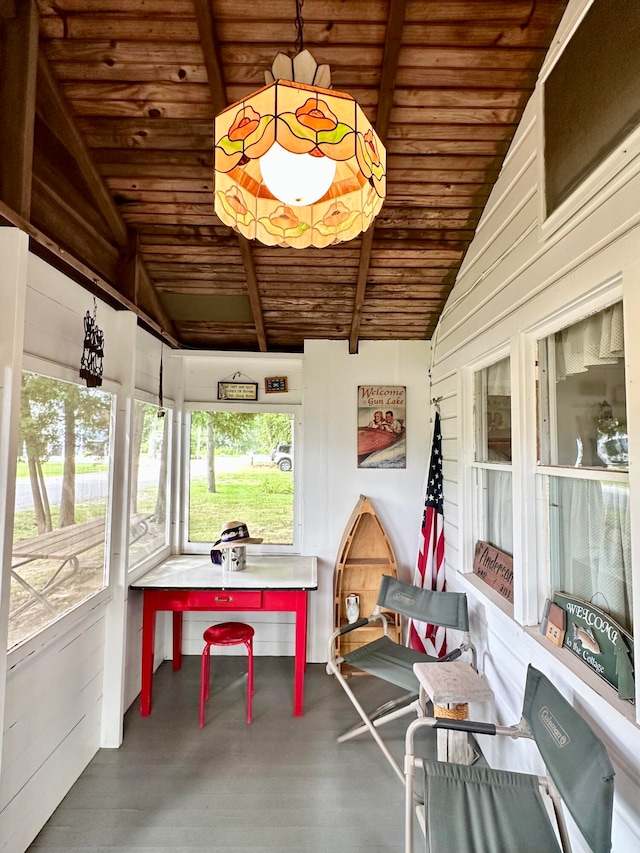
(234, 534)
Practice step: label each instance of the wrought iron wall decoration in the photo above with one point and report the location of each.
(91, 363)
(161, 410)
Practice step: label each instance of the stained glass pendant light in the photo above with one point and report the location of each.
(296, 163)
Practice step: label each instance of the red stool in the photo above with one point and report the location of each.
(225, 634)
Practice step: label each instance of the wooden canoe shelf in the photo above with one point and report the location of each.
(364, 555)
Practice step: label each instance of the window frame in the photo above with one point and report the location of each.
(133, 573)
(477, 477)
(608, 294)
(75, 615)
(187, 547)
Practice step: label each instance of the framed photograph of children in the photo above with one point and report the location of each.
(382, 417)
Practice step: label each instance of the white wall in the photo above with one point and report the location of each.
(324, 382)
(65, 689)
(332, 482)
(518, 275)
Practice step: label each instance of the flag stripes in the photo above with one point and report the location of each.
(429, 572)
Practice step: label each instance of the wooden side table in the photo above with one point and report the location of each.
(451, 686)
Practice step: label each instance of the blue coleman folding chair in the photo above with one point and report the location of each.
(471, 808)
(392, 662)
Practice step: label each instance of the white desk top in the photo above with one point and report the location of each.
(196, 571)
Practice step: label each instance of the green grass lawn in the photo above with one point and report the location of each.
(261, 497)
(54, 469)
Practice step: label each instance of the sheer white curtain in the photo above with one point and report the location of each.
(499, 510)
(499, 379)
(593, 544)
(598, 339)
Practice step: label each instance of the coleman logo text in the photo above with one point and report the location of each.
(553, 727)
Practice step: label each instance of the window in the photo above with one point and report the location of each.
(492, 453)
(242, 468)
(62, 500)
(582, 402)
(150, 493)
(583, 443)
(591, 106)
(493, 413)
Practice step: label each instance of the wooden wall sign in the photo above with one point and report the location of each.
(495, 568)
(275, 384)
(238, 391)
(600, 643)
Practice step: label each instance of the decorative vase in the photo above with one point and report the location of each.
(612, 442)
(352, 609)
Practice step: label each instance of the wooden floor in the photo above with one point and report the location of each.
(281, 784)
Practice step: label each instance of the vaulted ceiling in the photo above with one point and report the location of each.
(106, 133)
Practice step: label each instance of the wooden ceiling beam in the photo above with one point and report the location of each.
(18, 71)
(254, 293)
(393, 41)
(213, 63)
(54, 110)
(88, 275)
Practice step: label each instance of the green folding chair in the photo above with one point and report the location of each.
(470, 808)
(393, 662)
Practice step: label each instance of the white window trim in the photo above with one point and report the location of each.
(162, 553)
(471, 499)
(187, 547)
(66, 621)
(538, 572)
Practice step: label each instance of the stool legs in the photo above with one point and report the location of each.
(205, 670)
(205, 678)
(249, 645)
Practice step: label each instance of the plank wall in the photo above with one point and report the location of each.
(519, 273)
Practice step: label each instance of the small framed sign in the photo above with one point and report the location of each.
(238, 391)
(275, 384)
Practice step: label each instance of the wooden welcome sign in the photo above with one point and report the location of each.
(495, 568)
(600, 642)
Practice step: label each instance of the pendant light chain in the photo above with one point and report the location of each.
(299, 26)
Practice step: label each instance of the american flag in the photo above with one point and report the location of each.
(429, 573)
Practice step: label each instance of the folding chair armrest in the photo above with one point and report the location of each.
(473, 726)
(360, 623)
(346, 629)
(519, 730)
(452, 655)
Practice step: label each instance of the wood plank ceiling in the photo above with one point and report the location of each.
(123, 94)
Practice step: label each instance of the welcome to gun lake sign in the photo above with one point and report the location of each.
(600, 642)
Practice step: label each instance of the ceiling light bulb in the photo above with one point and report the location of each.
(296, 179)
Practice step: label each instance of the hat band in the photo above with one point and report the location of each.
(233, 533)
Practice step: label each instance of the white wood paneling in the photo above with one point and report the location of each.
(332, 481)
(275, 632)
(52, 729)
(56, 681)
(204, 370)
(519, 277)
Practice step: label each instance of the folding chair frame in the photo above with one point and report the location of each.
(554, 725)
(411, 762)
(406, 704)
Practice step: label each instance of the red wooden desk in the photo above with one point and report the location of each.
(189, 583)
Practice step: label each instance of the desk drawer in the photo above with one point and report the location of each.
(226, 599)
